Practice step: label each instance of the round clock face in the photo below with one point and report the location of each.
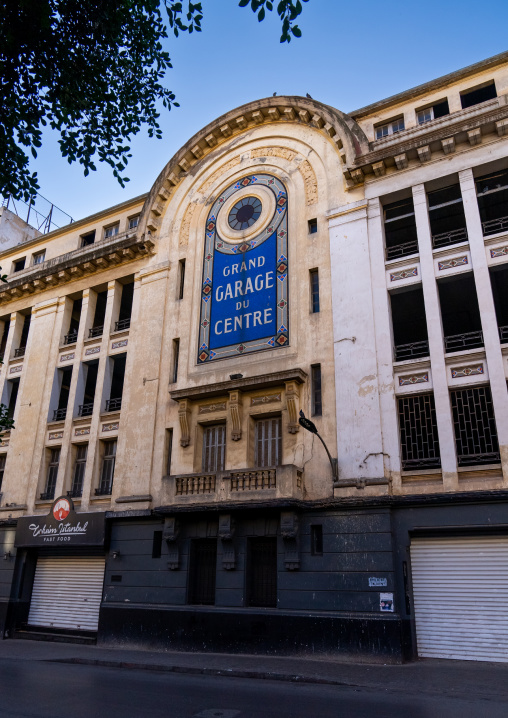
(245, 213)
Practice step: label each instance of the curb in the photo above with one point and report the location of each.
(224, 672)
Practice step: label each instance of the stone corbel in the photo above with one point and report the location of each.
(293, 406)
(226, 534)
(184, 418)
(235, 415)
(170, 536)
(290, 532)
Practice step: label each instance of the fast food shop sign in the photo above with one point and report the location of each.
(61, 527)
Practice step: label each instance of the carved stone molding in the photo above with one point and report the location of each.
(235, 415)
(184, 418)
(293, 406)
(170, 535)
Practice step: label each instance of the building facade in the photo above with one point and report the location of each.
(158, 488)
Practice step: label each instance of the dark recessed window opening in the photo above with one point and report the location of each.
(176, 353)
(492, 193)
(400, 229)
(54, 460)
(317, 402)
(460, 313)
(19, 264)
(64, 376)
(116, 578)
(475, 426)
(262, 572)
(90, 376)
(419, 439)
(2, 469)
(157, 544)
(133, 222)
(447, 218)
(499, 281)
(107, 470)
(99, 315)
(202, 572)
(24, 333)
(181, 278)
(314, 291)
(316, 540)
(114, 403)
(312, 226)
(124, 315)
(72, 335)
(268, 442)
(409, 324)
(13, 388)
(214, 448)
(79, 471)
(440, 109)
(5, 334)
(477, 95)
(169, 450)
(87, 239)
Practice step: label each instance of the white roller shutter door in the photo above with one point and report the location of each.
(67, 592)
(460, 588)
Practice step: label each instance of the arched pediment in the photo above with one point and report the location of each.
(343, 132)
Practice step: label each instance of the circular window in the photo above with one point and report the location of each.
(244, 213)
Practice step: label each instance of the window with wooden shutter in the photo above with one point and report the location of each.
(214, 448)
(268, 442)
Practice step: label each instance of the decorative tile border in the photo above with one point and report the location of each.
(82, 432)
(410, 379)
(92, 350)
(454, 262)
(499, 252)
(110, 427)
(66, 357)
(210, 408)
(266, 399)
(121, 343)
(471, 370)
(56, 435)
(16, 369)
(403, 274)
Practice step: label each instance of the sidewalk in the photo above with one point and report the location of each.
(469, 679)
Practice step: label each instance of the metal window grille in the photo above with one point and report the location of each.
(79, 471)
(114, 404)
(2, 469)
(108, 469)
(262, 572)
(268, 442)
(418, 432)
(202, 572)
(214, 448)
(314, 291)
(54, 460)
(475, 426)
(317, 403)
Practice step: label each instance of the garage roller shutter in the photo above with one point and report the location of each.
(67, 593)
(460, 588)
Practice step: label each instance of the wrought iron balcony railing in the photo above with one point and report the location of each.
(85, 409)
(59, 414)
(75, 493)
(114, 404)
(413, 350)
(503, 334)
(104, 490)
(122, 324)
(446, 238)
(467, 340)
(71, 338)
(95, 332)
(20, 352)
(494, 226)
(402, 250)
(48, 495)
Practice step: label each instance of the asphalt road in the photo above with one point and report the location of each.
(30, 689)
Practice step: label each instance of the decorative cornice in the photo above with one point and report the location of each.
(73, 265)
(245, 384)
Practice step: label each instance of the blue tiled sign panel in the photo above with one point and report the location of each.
(244, 294)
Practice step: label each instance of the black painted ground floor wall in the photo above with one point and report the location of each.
(328, 597)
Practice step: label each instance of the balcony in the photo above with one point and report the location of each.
(75, 493)
(20, 352)
(239, 486)
(59, 414)
(95, 332)
(402, 250)
(48, 495)
(413, 350)
(104, 490)
(71, 338)
(503, 334)
(85, 409)
(495, 226)
(114, 404)
(444, 239)
(122, 324)
(467, 340)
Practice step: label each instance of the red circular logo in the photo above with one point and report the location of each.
(61, 509)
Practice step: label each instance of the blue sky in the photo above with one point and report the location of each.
(351, 54)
